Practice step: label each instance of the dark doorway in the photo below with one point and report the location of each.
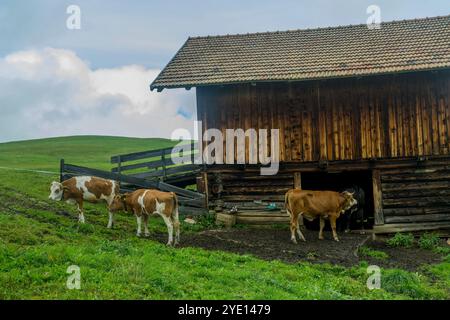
(340, 181)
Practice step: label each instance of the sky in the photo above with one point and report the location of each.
(56, 81)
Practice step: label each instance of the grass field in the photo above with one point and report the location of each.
(40, 239)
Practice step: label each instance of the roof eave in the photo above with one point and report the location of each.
(188, 86)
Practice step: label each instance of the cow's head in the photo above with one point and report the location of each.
(56, 191)
(349, 201)
(119, 203)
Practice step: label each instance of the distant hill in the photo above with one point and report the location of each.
(92, 151)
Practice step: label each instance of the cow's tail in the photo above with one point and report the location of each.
(286, 203)
(175, 203)
(175, 218)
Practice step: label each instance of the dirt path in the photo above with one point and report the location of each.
(274, 244)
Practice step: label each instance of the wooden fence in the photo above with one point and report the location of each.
(191, 201)
(159, 165)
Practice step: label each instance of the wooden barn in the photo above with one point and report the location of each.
(353, 105)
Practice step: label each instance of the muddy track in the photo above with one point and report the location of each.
(274, 244)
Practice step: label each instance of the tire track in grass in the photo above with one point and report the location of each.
(29, 170)
(9, 203)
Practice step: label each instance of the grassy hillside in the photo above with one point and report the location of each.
(94, 151)
(40, 239)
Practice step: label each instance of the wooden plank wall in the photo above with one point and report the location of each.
(245, 186)
(413, 195)
(344, 119)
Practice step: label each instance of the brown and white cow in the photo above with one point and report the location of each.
(312, 204)
(145, 202)
(77, 189)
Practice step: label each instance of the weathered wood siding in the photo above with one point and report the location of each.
(344, 119)
(420, 194)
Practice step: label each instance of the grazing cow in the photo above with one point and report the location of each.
(312, 204)
(77, 189)
(146, 202)
(356, 213)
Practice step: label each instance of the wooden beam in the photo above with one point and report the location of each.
(407, 227)
(377, 197)
(440, 217)
(146, 154)
(297, 180)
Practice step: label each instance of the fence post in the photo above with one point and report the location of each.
(61, 170)
(119, 164)
(163, 158)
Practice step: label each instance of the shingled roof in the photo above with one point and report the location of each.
(355, 50)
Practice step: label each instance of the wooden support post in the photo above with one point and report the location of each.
(377, 198)
(297, 180)
(205, 184)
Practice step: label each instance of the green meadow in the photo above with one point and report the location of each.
(40, 239)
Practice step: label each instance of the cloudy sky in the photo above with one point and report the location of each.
(55, 81)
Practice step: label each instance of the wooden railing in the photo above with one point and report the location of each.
(157, 164)
(186, 197)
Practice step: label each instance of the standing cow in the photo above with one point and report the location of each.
(145, 202)
(356, 213)
(312, 204)
(77, 189)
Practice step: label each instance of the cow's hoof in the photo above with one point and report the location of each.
(294, 241)
(146, 235)
(169, 244)
(321, 238)
(138, 235)
(303, 239)
(336, 239)
(347, 230)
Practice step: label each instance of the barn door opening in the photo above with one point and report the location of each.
(339, 181)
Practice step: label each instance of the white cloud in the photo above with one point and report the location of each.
(52, 92)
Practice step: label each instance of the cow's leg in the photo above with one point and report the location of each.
(169, 225)
(294, 223)
(299, 232)
(322, 225)
(110, 213)
(348, 222)
(80, 212)
(146, 232)
(139, 223)
(176, 224)
(333, 227)
(362, 218)
(111, 220)
(289, 213)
